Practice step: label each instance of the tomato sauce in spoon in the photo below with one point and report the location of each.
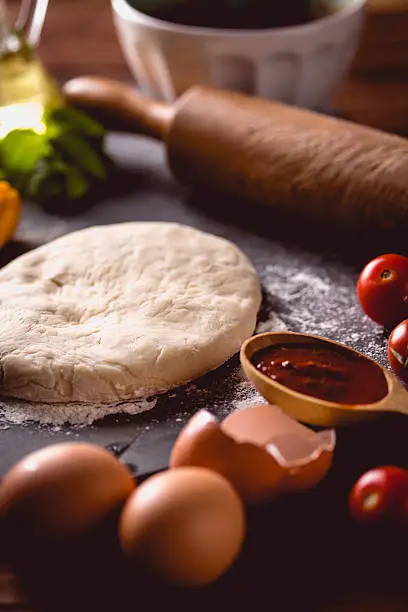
(334, 374)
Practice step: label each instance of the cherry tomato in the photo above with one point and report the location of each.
(398, 350)
(381, 495)
(382, 290)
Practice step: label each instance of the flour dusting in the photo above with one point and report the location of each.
(18, 412)
(246, 396)
(318, 301)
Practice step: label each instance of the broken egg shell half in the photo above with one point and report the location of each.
(261, 450)
(250, 468)
(305, 455)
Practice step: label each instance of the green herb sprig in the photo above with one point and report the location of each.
(65, 161)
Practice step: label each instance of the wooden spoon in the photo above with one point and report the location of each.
(310, 409)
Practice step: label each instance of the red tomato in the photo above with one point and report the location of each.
(381, 495)
(383, 290)
(398, 350)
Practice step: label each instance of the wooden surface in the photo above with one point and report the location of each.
(79, 38)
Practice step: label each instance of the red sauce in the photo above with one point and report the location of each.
(330, 373)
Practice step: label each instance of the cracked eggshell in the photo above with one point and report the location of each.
(305, 456)
(260, 450)
(250, 468)
(308, 460)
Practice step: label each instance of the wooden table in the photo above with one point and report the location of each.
(79, 38)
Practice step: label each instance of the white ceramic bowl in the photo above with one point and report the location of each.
(298, 65)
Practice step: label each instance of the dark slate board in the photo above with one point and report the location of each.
(299, 554)
(144, 190)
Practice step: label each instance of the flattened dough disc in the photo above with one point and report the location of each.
(121, 311)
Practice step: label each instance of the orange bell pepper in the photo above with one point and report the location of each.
(10, 208)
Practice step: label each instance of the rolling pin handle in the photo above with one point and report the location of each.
(119, 106)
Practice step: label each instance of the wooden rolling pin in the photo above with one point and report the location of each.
(318, 167)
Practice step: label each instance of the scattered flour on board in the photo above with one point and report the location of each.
(319, 301)
(246, 396)
(298, 297)
(15, 412)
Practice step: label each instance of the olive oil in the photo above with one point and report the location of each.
(26, 89)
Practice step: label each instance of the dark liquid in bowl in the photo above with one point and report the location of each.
(249, 15)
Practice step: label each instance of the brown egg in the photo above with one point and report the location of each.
(63, 490)
(188, 525)
(260, 450)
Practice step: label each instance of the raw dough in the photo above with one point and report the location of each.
(117, 312)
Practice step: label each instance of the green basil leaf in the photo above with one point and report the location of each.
(77, 120)
(41, 173)
(63, 162)
(83, 155)
(58, 165)
(57, 172)
(52, 187)
(54, 130)
(77, 184)
(21, 150)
